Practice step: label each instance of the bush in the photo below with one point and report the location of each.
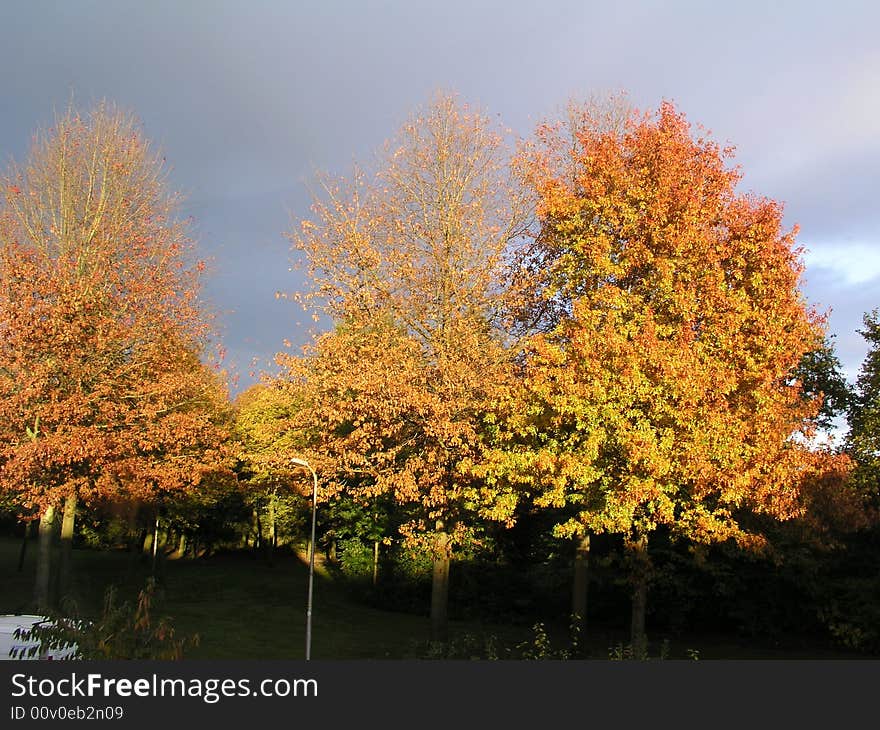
(123, 631)
(355, 559)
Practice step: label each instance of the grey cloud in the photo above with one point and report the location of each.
(845, 304)
(247, 99)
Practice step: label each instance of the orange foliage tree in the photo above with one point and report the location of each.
(661, 386)
(102, 390)
(407, 262)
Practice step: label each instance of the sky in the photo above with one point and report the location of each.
(248, 100)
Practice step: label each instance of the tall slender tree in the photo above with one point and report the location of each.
(408, 262)
(863, 440)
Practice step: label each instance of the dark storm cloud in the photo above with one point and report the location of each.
(248, 99)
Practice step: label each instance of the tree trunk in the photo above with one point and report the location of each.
(161, 543)
(270, 540)
(440, 587)
(375, 563)
(181, 545)
(24, 544)
(641, 566)
(147, 548)
(257, 528)
(580, 585)
(44, 560)
(65, 567)
(155, 545)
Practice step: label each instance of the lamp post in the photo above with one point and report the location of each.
(303, 463)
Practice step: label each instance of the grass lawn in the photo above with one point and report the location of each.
(241, 608)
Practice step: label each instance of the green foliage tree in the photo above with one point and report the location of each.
(821, 376)
(265, 443)
(863, 441)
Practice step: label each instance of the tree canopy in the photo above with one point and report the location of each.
(102, 385)
(409, 262)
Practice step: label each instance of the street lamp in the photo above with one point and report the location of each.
(303, 463)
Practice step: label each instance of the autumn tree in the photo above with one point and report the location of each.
(407, 262)
(102, 386)
(661, 388)
(266, 442)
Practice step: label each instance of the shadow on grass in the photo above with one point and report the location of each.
(242, 608)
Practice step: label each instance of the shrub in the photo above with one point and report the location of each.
(123, 631)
